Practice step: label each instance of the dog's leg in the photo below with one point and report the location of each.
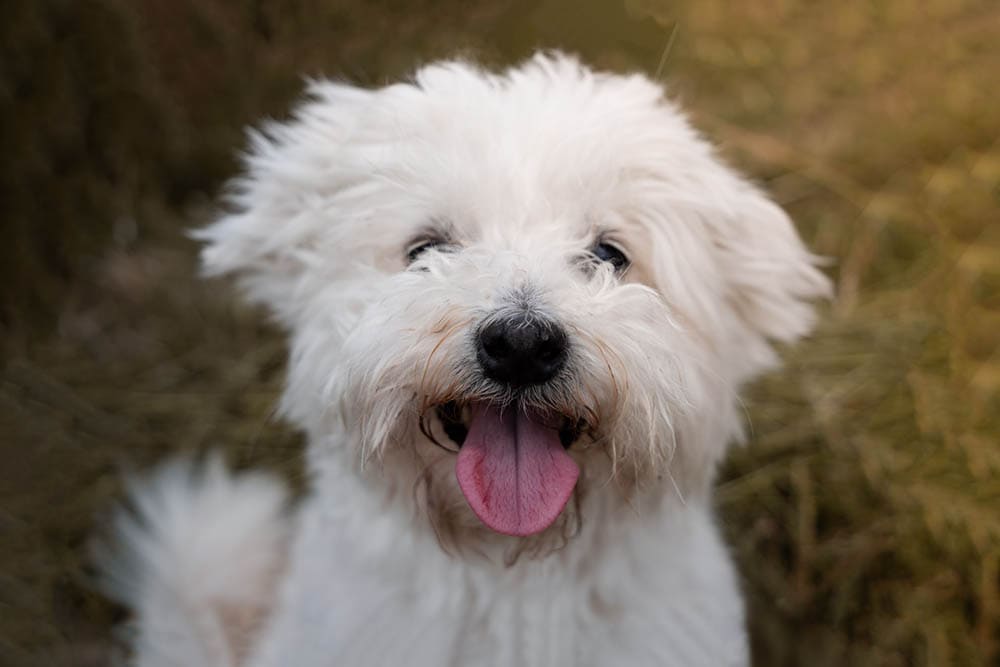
(197, 559)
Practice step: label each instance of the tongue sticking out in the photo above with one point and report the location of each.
(514, 471)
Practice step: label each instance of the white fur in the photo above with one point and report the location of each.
(523, 171)
(198, 558)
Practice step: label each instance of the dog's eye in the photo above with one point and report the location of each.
(418, 248)
(611, 254)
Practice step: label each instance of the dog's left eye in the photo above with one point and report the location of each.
(418, 248)
(611, 254)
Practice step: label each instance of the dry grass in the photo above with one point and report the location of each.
(866, 510)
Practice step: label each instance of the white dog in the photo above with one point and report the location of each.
(520, 305)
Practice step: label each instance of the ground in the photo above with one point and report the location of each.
(864, 511)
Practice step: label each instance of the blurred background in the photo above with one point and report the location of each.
(865, 512)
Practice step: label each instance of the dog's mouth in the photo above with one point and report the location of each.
(512, 466)
(455, 418)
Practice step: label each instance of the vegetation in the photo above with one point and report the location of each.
(865, 511)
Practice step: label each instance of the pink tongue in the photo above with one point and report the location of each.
(514, 472)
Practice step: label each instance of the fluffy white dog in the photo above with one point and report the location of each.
(520, 305)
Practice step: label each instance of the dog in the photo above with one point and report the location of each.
(520, 307)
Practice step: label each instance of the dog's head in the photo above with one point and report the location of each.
(506, 289)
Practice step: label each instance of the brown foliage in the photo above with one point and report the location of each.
(865, 509)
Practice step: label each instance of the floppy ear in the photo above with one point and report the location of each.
(770, 278)
(278, 208)
(773, 277)
(722, 253)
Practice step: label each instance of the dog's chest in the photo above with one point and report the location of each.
(544, 617)
(388, 600)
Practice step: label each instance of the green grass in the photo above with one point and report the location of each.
(865, 511)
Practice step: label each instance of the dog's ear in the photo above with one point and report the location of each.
(730, 259)
(771, 280)
(275, 216)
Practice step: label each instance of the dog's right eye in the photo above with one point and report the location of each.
(612, 254)
(418, 248)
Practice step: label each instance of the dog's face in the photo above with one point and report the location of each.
(505, 291)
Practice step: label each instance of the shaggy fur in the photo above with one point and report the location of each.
(516, 177)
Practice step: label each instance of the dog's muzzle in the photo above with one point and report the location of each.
(512, 465)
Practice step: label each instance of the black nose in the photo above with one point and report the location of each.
(521, 350)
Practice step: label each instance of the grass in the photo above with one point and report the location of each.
(865, 511)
